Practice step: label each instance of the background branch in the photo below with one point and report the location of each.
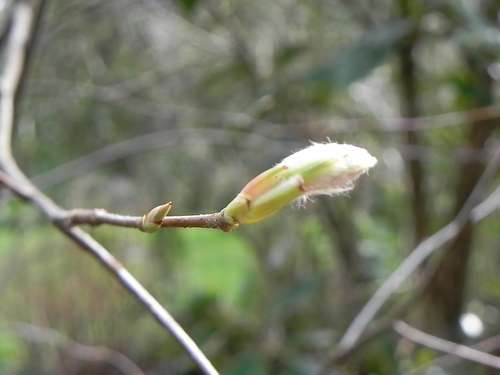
(166, 139)
(416, 258)
(437, 343)
(449, 360)
(124, 100)
(76, 350)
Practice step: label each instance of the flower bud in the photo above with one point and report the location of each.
(322, 168)
(151, 222)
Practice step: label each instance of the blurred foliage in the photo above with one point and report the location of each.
(360, 59)
(129, 104)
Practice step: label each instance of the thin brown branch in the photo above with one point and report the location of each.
(98, 216)
(14, 178)
(76, 350)
(437, 343)
(211, 221)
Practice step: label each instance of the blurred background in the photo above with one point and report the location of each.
(128, 104)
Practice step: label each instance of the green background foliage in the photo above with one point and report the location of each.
(129, 104)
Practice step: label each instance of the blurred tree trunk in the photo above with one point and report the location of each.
(410, 109)
(446, 289)
(445, 294)
(340, 226)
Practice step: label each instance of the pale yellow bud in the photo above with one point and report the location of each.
(340, 165)
(322, 168)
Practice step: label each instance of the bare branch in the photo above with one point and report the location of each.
(98, 216)
(14, 178)
(379, 327)
(164, 139)
(13, 69)
(138, 291)
(211, 221)
(421, 252)
(448, 360)
(404, 124)
(468, 212)
(76, 350)
(486, 207)
(437, 343)
(114, 96)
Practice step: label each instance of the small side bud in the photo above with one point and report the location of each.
(151, 222)
(322, 168)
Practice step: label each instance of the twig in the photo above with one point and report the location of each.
(468, 212)
(121, 99)
(421, 252)
(138, 291)
(448, 360)
(16, 180)
(486, 207)
(211, 221)
(376, 329)
(405, 124)
(97, 216)
(76, 350)
(165, 139)
(13, 70)
(437, 343)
